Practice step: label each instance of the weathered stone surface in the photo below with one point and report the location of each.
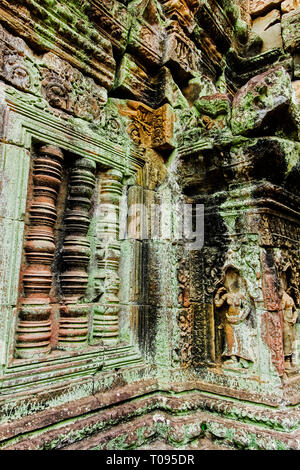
(81, 44)
(296, 86)
(268, 28)
(271, 38)
(296, 63)
(291, 30)
(289, 5)
(258, 7)
(262, 23)
(261, 102)
(150, 228)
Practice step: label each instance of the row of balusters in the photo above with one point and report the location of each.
(36, 314)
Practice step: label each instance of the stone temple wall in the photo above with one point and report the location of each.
(117, 330)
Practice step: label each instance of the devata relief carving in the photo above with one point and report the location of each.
(234, 299)
(290, 315)
(149, 224)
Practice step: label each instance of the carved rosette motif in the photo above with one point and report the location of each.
(34, 327)
(106, 323)
(73, 327)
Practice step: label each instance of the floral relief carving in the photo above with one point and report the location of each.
(67, 89)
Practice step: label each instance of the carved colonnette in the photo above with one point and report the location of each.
(125, 319)
(105, 318)
(34, 327)
(73, 328)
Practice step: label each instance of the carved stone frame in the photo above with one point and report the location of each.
(22, 126)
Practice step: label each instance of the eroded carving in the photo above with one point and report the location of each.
(107, 280)
(233, 297)
(73, 328)
(67, 89)
(290, 315)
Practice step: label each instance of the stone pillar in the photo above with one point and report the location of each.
(106, 322)
(34, 327)
(73, 327)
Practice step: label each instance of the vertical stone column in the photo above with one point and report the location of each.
(73, 327)
(106, 321)
(34, 327)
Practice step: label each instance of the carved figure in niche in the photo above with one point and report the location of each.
(236, 303)
(290, 315)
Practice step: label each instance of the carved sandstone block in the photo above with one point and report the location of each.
(269, 29)
(214, 105)
(147, 42)
(163, 123)
(147, 36)
(179, 10)
(65, 88)
(16, 63)
(149, 127)
(133, 81)
(64, 28)
(261, 102)
(112, 20)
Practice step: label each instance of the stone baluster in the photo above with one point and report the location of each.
(34, 326)
(73, 327)
(105, 317)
